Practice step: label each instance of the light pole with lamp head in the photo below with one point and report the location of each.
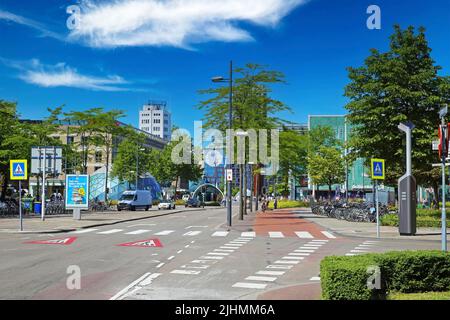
(230, 126)
(137, 166)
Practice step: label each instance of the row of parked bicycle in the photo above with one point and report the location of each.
(11, 208)
(352, 211)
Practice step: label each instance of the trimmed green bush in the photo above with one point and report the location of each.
(415, 271)
(345, 278)
(285, 204)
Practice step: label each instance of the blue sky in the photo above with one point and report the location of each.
(127, 52)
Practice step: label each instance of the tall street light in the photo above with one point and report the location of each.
(137, 166)
(230, 126)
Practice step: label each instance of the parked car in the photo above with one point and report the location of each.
(194, 203)
(135, 199)
(166, 204)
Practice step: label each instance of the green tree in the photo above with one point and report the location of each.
(293, 158)
(166, 171)
(399, 85)
(327, 167)
(17, 138)
(253, 106)
(131, 155)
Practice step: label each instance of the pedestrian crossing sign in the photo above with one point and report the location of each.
(18, 170)
(378, 170)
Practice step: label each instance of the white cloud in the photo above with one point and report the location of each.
(177, 23)
(11, 17)
(62, 75)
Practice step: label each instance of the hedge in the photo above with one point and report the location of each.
(345, 278)
(285, 204)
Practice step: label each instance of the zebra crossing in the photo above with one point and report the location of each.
(261, 279)
(215, 234)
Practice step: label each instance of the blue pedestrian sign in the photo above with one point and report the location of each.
(378, 169)
(18, 170)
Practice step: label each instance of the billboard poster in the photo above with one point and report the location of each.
(77, 191)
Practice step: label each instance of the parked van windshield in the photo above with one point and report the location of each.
(127, 197)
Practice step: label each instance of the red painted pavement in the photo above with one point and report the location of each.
(285, 221)
(64, 241)
(149, 243)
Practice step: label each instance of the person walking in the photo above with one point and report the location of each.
(275, 203)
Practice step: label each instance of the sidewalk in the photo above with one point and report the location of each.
(58, 224)
(365, 229)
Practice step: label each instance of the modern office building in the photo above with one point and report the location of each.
(358, 175)
(96, 158)
(156, 119)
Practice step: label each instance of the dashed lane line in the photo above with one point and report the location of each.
(164, 233)
(83, 231)
(110, 231)
(138, 231)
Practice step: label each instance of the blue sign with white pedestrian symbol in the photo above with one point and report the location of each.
(378, 170)
(18, 169)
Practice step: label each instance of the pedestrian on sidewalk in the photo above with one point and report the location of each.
(275, 204)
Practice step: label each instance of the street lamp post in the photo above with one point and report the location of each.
(137, 166)
(443, 112)
(230, 126)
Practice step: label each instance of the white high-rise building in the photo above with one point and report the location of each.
(156, 119)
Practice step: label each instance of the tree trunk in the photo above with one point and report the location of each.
(436, 194)
(5, 186)
(329, 191)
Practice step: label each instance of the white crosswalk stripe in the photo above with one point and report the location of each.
(304, 235)
(276, 234)
(248, 234)
(189, 272)
(259, 278)
(110, 231)
(138, 231)
(83, 231)
(271, 273)
(249, 285)
(328, 234)
(220, 234)
(293, 258)
(274, 266)
(164, 233)
(192, 233)
(286, 262)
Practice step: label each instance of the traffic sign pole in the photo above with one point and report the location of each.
(20, 205)
(378, 173)
(444, 137)
(377, 208)
(43, 185)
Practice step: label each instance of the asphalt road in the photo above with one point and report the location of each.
(198, 259)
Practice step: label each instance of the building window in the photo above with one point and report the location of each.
(70, 140)
(156, 129)
(98, 156)
(156, 121)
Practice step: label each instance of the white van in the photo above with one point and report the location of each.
(135, 199)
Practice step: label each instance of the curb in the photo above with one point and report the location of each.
(55, 231)
(417, 237)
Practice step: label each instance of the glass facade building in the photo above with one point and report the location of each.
(358, 173)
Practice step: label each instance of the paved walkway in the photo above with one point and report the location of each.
(65, 223)
(367, 230)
